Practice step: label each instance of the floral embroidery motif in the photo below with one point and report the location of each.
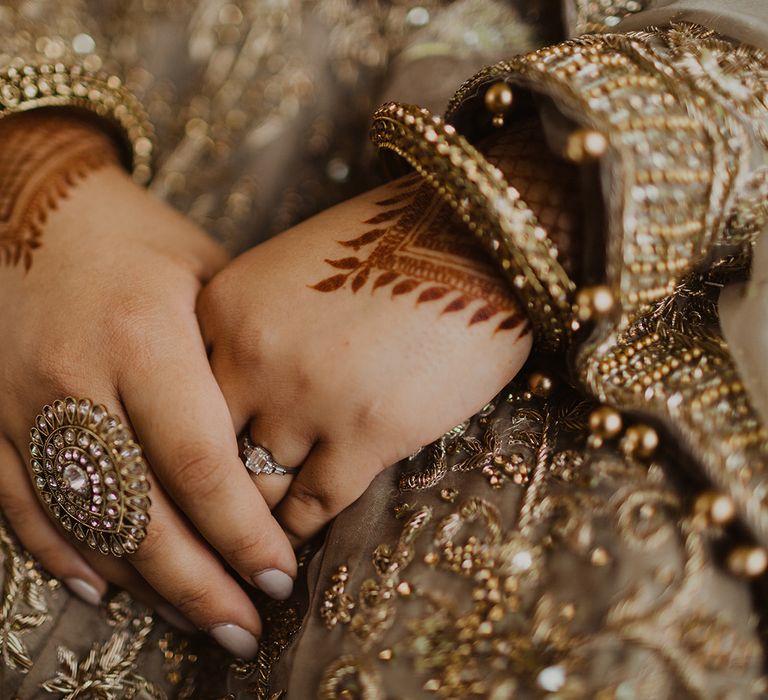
(516, 627)
(24, 605)
(109, 670)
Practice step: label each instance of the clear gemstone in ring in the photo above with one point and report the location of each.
(259, 460)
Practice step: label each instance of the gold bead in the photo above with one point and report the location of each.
(748, 561)
(594, 302)
(640, 441)
(584, 145)
(541, 384)
(605, 422)
(498, 100)
(715, 508)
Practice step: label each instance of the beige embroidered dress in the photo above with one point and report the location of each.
(531, 552)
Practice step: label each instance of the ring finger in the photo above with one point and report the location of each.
(285, 447)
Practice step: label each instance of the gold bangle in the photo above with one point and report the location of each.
(490, 207)
(24, 87)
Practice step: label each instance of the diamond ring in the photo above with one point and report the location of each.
(259, 460)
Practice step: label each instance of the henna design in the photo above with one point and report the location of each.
(419, 246)
(44, 156)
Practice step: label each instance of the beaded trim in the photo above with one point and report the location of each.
(489, 206)
(683, 113)
(24, 87)
(671, 167)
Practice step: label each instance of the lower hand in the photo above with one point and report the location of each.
(345, 358)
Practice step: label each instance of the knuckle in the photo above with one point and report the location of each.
(195, 473)
(315, 499)
(194, 600)
(129, 323)
(57, 368)
(244, 548)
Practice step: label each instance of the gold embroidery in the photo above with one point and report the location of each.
(109, 669)
(23, 606)
(515, 627)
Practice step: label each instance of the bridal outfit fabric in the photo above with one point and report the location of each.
(536, 550)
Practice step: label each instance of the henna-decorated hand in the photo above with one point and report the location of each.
(105, 310)
(344, 346)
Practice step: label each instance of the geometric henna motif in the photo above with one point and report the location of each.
(417, 247)
(90, 473)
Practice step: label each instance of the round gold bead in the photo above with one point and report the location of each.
(541, 384)
(605, 422)
(584, 145)
(594, 302)
(498, 101)
(499, 98)
(747, 561)
(715, 508)
(640, 441)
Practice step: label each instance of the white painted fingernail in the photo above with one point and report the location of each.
(275, 583)
(236, 640)
(83, 590)
(174, 618)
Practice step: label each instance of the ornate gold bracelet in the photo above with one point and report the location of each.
(24, 87)
(490, 207)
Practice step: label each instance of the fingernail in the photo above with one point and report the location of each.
(83, 590)
(174, 618)
(275, 583)
(236, 640)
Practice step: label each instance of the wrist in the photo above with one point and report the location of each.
(46, 154)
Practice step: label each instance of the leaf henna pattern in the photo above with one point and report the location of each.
(417, 246)
(44, 156)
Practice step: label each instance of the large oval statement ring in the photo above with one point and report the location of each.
(90, 472)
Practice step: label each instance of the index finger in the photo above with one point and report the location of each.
(183, 422)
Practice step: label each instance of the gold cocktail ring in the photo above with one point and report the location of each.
(90, 472)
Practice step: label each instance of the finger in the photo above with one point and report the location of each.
(331, 479)
(289, 447)
(185, 427)
(122, 574)
(38, 534)
(184, 571)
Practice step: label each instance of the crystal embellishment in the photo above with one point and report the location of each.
(75, 479)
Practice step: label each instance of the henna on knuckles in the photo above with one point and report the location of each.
(45, 155)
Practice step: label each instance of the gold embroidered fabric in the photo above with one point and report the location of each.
(522, 555)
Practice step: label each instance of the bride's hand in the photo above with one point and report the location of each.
(368, 331)
(351, 340)
(105, 310)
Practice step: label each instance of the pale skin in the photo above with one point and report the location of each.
(343, 384)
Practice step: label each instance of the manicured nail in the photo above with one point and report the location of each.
(236, 640)
(275, 583)
(174, 618)
(83, 590)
